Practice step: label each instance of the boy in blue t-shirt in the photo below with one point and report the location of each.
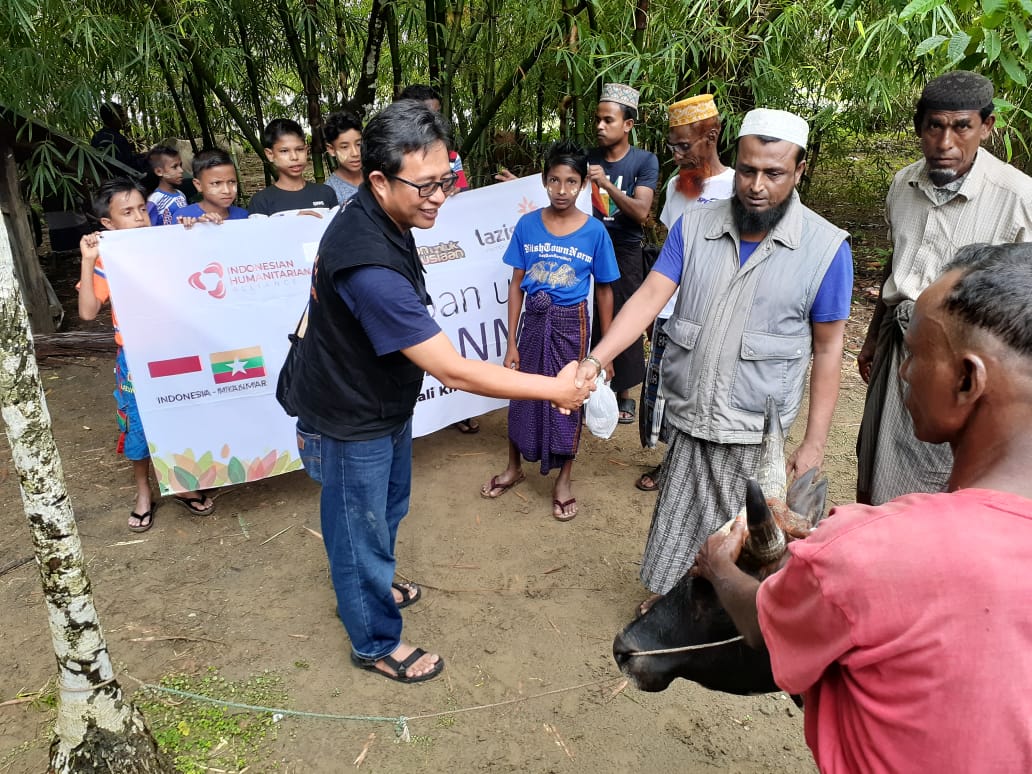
(554, 253)
(167, 166)
(215, 177)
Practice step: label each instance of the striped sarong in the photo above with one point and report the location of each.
(550, 338)
(702, 486)
(652, 405)
(891, 462)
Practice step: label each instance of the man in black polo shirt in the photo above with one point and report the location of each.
(623, 185)
(369, 340)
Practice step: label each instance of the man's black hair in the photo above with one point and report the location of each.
(278, 128)
(402, 127)
(767, 140)
(569, 153)
(338, 123)
(209, 158)
(100, 202)
(155, 154)
(993, 292)
(111, 115)
(421, 92)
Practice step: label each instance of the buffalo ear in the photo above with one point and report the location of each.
(808, 496)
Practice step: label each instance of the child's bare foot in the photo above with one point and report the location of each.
(500, 484)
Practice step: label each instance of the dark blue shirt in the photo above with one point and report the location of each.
(402, 323)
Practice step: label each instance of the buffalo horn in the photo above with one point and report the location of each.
(766, 541)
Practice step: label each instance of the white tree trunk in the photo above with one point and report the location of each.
(97, 729)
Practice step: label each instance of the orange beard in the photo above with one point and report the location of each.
(691, 181)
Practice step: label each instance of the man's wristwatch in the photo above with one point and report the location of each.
(595, 362)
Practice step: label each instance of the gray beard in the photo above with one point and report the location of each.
(942, 177)
(749, 222)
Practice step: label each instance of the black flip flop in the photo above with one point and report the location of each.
(189, 502)
(653, 476)
(626, 406)
(400, 667)
(407, 597)
(146, 520)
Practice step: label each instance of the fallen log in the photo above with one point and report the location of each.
(72, 343)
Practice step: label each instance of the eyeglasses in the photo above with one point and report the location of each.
(426, 190)
(683, 148)
(557, 185)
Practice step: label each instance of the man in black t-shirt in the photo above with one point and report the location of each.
(623, 185)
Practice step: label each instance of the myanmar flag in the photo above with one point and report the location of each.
(237, 364)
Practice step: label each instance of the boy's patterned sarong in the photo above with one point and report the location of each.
(551, 337)
(131, 439)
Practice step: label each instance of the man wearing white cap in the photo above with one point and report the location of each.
(762, 283)
(623, 185)
(700, 178)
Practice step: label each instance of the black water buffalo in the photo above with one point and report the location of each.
(691, 614)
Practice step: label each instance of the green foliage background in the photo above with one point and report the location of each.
(514, 73)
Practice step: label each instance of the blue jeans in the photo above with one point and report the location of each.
(365, 495)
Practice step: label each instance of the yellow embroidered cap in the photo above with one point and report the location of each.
(691, 110)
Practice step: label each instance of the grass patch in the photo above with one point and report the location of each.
(200, 736)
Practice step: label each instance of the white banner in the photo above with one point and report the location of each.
(205, 314)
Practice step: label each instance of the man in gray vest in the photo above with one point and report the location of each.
(763, 283)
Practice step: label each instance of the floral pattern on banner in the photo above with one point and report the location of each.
(185, 472)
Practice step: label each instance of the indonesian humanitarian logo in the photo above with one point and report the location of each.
(209, 279)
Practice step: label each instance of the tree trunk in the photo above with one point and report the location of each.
(312, 81)
(519, 74)
(14, 221)
(97, 728)
(365, 90)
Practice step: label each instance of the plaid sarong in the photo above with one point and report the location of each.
(702, 485)
(891, 462)
(652, 405)
(550, 338)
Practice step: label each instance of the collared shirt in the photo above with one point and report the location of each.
(993, 204)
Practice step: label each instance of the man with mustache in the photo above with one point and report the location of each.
(623, 185)
(762, 283)
(957, 194)
(692, 139)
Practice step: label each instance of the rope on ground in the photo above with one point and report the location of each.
(400, 722)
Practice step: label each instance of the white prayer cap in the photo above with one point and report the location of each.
(776, 123)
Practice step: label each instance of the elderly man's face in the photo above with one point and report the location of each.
(929, 372)
(690, 147)
(950, 140)
(398, 194)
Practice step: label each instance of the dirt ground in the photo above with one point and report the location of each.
(522, 607)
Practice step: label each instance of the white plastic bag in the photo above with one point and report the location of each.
(601, 414)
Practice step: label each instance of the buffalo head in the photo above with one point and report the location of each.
(691, 614)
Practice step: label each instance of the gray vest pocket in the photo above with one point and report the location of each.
(770, 364)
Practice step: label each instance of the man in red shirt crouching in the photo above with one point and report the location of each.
(906, 625)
